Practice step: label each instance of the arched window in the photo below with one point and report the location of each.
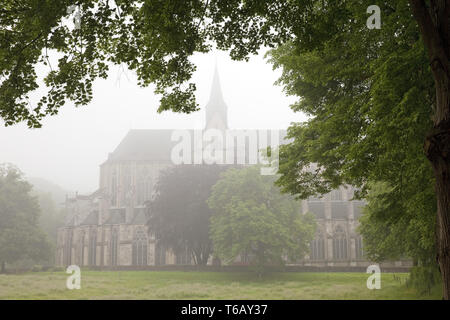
(140, 242)
(340, 251)
(359, 248)
(68, 248)
(317, 248)
(92, 248)
(114, 244)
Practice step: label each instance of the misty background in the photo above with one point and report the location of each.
(70, 146)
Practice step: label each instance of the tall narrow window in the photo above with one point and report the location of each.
(82, 237)
(68, 248)
(359, 248)
(114, 247)
(114, 188)
(140, 242)
(340, 244)
(317, 248)
(92, 247)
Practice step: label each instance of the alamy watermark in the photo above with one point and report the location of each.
(374, 280)
(374, 21)
(74, 280)
(232, 147)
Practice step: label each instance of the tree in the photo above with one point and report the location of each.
(156, 38)
(365, 129)
(50, 219)
(372, 99)
(252, 218)
(179, 215)
(20, 236)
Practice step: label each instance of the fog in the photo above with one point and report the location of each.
(69, 148)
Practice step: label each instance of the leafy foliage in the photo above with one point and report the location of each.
(20, 235)
(179, 215)
(394, 229)
(154, 38)
(251, 217)
(369, 96)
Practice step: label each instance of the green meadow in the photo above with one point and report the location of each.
(207, 285)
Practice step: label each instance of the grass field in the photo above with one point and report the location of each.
(206, 285)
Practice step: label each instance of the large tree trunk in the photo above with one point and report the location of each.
(437, 148)
(434, 26)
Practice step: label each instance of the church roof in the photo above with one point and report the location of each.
(139, 217)
(144, 145)
(156, 145)
(91, 219)
(116, 216)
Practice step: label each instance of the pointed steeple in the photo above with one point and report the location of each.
(216, 109)
(216, 90)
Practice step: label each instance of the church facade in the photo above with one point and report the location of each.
(108, 228)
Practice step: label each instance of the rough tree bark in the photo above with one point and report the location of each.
(433, 19)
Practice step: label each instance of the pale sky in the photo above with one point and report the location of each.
(69, 148)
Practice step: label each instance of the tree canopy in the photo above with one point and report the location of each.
(370, 97)
(252, 218)
(153, 38)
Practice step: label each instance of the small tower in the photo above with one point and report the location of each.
(216, 109)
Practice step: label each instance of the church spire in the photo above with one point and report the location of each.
(216, 90)
(216, 109)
